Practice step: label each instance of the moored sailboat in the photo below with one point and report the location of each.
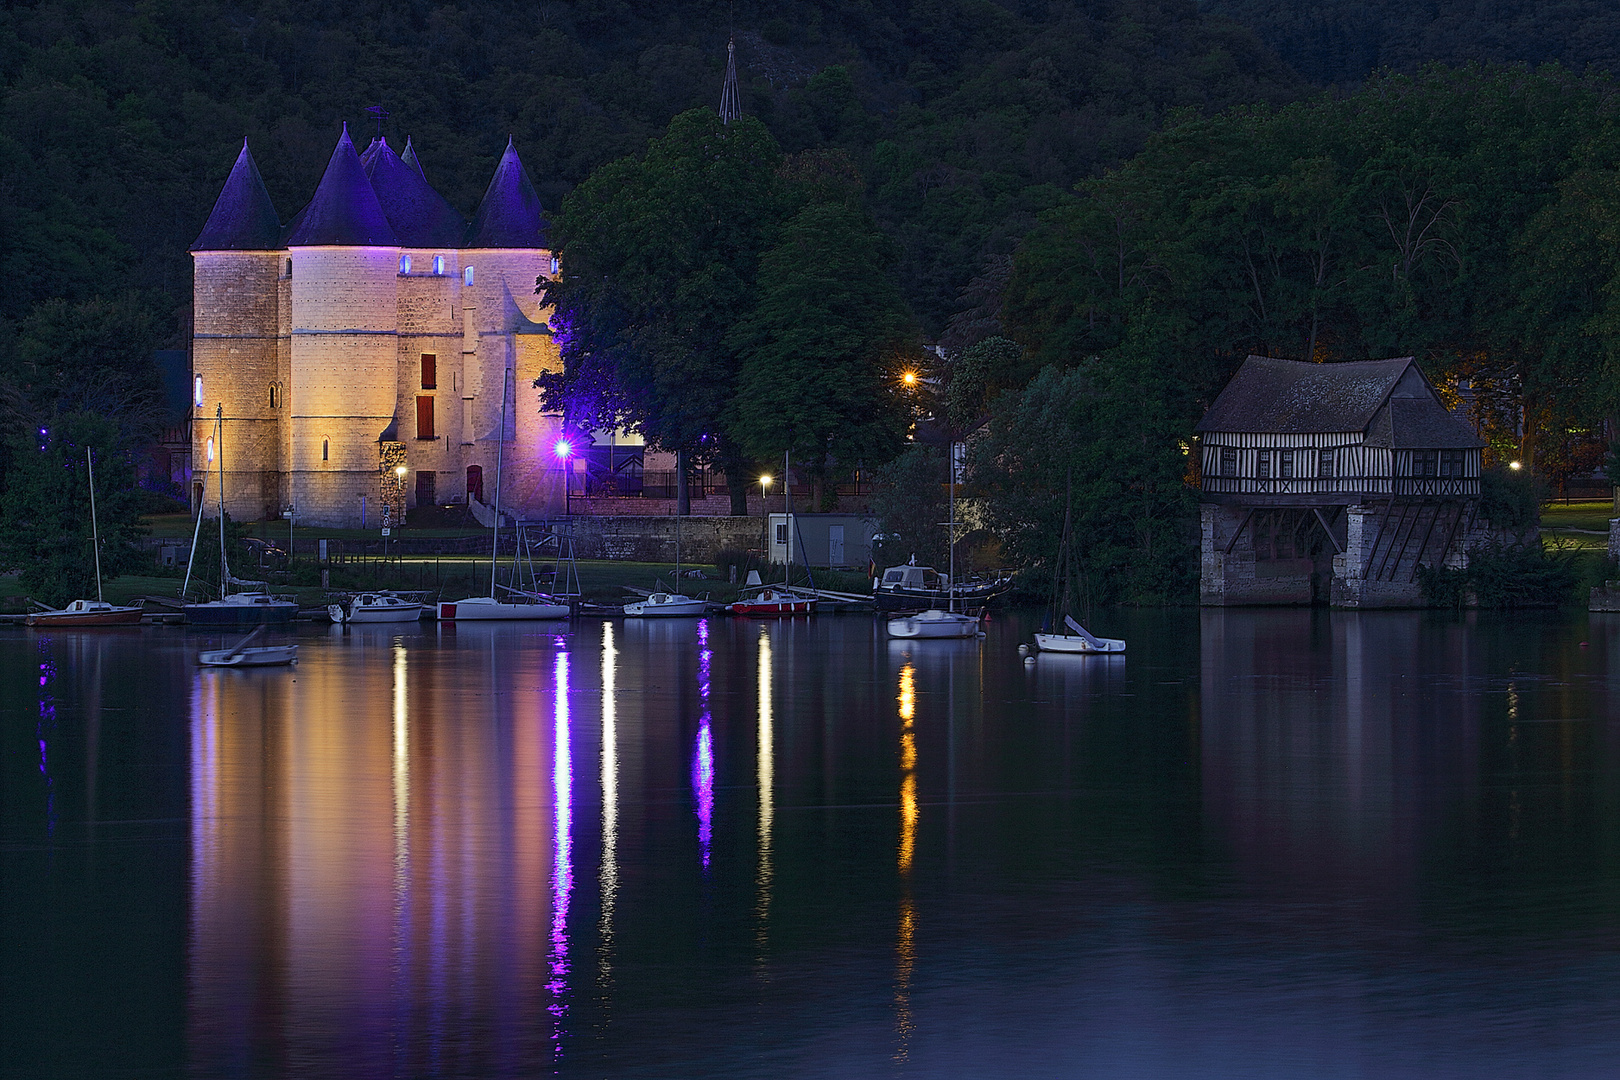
(95, 612)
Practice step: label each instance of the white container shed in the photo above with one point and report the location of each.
(834, 540)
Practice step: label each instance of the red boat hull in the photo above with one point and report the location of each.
(774, 608)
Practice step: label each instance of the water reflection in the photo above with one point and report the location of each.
(905, 940)
(608, 878)
(703, 752)
(765, 767)
(562, 868)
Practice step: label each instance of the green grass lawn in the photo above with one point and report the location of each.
(1577, 526)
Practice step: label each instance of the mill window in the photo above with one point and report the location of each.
(1423, 462)
(1324, 465)
(1285, 464)
(1451, 463)
(1228, 461)
(430, 371)
(1262, 464)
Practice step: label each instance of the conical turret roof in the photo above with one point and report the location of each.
(345, 211)
(369, 154)
(409, 158)
(419, 216)
(243, 218)
(509, 216)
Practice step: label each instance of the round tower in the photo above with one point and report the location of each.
(237, 335)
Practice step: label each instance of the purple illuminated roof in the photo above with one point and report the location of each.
(510, 215)
(419, 216)
(409, 158)
(345, 211)
(243, 218)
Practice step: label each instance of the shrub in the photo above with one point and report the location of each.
(1507, 577)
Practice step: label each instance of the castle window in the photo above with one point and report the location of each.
(272, 395)
(404, 264)
(424, 418)
(210, 448)
(430, 371)
(554, 264)
(289, 268)
(438, 264)
(467, 276)
(196, 392)
(326, 449)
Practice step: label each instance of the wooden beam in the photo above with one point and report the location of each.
(1232, 543)
(1337, 550)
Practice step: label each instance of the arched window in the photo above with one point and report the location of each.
(404, 264)
(272, 395)
(467, 276)
(438, 264)
(196, 392)
(326, 449)
(554, 264)
(210, 448)
(289, 268)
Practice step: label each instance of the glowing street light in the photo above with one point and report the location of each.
(1515, 466)
(565, 450)
(909, 378)
(765, 512)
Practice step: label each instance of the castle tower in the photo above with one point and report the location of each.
(427, 427)
(344, 260)
(506, 331)
(236, 346)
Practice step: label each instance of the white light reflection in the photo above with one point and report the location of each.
(562, 869)
(610, 804)
(402, 854)
(767, 794)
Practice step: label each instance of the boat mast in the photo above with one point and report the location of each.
(500, 446)
(219, 452)
(950, 477)
(787, 512)
(95, 534)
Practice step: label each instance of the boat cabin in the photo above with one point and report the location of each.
(914, 577)
(1332, 482)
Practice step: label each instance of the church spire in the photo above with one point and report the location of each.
(729, 108)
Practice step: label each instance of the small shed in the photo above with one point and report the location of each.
(1332, 482)
(832, 540)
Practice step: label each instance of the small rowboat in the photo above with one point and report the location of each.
(1081, 641)
(934, 623)
(244, 657)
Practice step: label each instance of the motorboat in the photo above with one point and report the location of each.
(666, 605)
(770, 601)
(95, 612)
(242, 610)
(87, 613)
(243, 656)
(1081, 641)
(484, 608)
(376, 608)
(935, 623)
(910, 587)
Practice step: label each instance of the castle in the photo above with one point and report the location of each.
(358, 354)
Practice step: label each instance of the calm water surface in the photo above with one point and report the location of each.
(1267, 843)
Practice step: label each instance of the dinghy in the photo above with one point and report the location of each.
(1081, 641)
(243, 657)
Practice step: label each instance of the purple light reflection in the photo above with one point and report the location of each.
(703, 758)
(46, 727)
(562, 868)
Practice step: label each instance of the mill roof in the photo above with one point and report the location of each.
(1293, 397)
(345, 211)
(419, 215)
(510, 215)
(243, 218)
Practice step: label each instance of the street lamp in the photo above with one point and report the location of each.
(765, 512)
(909, 378)
(565, 450)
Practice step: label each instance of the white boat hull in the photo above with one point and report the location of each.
(1067, 643)
(666, 606)
(259, 656)
(371, 608)
(935, 624)
(479, 608)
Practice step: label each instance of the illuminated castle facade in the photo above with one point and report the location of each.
(359, 352)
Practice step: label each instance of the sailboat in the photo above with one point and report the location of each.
(241, 609)
(669, 604)
(95, 612)
(773, 601)
(492, 607)
(935, 623)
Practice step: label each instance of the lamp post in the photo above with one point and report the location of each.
(565, 450)
(765, 512)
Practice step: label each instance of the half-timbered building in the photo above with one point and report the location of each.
(1332, 483)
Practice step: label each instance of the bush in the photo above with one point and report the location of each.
(1503, 578)
(1511, 498)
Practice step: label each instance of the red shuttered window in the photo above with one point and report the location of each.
(424, 418)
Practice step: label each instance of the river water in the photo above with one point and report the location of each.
(1266, 843)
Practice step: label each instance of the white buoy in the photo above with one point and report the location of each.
(1029, 661)
(1023, 650)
